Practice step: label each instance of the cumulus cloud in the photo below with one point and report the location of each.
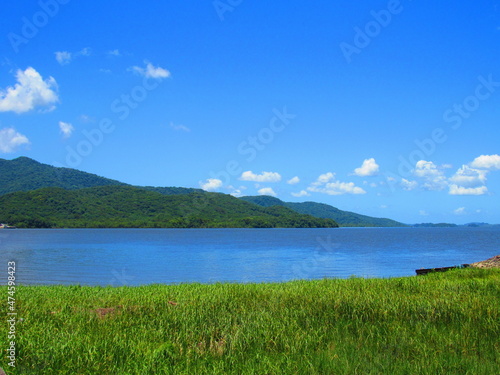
(460, 190)
(236, 193)
(368, 168)
(434, 178)
(211, 184)
(30, 91)
(11, 140)
(323, 179)
(469, 177)
(339, 188)
(327, 184)
(491, 162)
(263, 177)
(151, 71)
(267, 191)
(66, 129)
(409, 185)
(293, 180)
(301, 193)
(63, 57)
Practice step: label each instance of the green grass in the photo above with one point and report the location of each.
(445, 323)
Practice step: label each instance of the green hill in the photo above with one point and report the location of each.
(343, 218)
(25, 174)
(127, 206)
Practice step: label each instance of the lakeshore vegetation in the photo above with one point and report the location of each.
(443, 323)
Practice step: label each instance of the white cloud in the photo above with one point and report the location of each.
(326, 184)
(180, 127)
(267, 191)
(409, 185)
(469, 177)
(324, 178)
(369, 168)
(301, 193)
(337, 188)
(84, 52)
(460, 190)
(211, 184)
(434, 179)
(63, 57)
(10, 140)
(66, 129)
(114, 52)
(423, 213)
(30, 91)
(151, 71)
(236, 193)
(487, 162)
(460, 211)
(263, 177)
(293, 181)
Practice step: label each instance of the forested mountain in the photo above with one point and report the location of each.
(343, 218)
(25, 174)
(44, 195)
(127, 206)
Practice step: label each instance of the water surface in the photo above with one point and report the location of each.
(144, 256)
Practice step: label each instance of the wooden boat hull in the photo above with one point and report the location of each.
(425, 271)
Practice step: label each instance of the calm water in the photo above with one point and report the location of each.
(144, 256)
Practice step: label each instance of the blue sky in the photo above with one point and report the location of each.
(386, 108)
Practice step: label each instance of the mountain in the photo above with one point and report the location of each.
(343, 218)
(25, 174)
(78, 188)
(127, 206)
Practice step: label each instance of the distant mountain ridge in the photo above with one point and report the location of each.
(36, 195)
(343, 218)
(25, 174)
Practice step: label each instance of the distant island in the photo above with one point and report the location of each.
(36, 195)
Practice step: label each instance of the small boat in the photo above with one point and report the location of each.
(6, 226)
(425, 271)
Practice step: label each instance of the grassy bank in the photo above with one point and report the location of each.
(436, 324)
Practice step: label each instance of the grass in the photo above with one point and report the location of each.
(446, 323)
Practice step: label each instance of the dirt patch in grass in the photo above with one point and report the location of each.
(103, 311)
(488, 263)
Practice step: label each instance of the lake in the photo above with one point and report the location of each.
(144, 256)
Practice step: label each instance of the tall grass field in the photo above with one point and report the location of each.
(443, 323)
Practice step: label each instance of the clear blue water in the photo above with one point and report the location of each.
(144, 256)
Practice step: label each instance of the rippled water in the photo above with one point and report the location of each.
(144, 256)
